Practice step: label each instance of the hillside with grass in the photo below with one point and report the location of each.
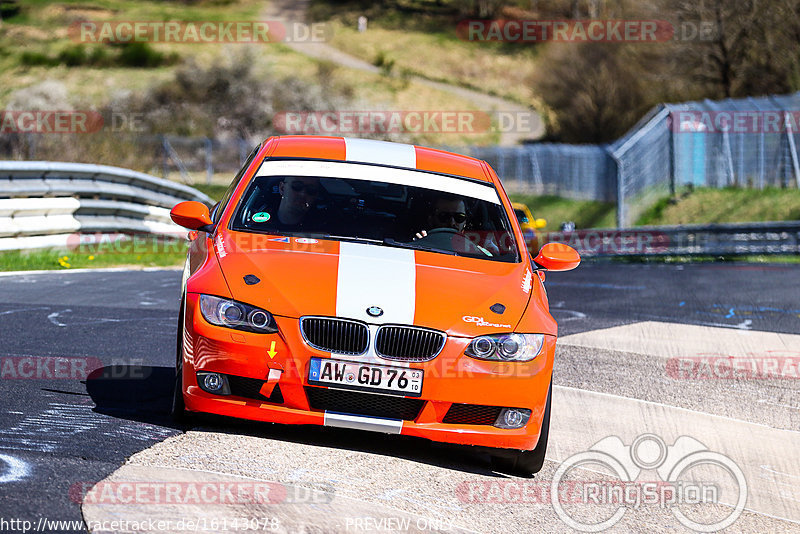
(219, 90)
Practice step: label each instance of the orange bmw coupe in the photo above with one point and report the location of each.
(373, 286)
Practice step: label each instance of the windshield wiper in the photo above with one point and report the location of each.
(389, 242)
(354, 239)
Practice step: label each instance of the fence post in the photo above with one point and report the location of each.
(671, 150)
(243, 151)
(164, 157)
(726, 144)
(209, 160)
(620, 189)
(31, 155)
(761, 162)
(792, 148)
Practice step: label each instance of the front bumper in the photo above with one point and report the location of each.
(274, 368)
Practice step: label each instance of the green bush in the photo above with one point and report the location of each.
(36, 59)
(73, 56)
(140, 55)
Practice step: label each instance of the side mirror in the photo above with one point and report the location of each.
(557, 257)
(192, 215)
(540, 223)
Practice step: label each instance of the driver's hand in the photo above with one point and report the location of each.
(421, 234)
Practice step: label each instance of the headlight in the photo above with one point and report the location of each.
(506, 347)
(232, 314)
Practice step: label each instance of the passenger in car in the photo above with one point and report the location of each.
(290, 210)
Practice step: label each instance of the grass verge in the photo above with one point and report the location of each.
(702, 206)
(707, 205)
(138, 252)
(555, 210)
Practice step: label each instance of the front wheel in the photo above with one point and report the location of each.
(178, 410)
(526, 463)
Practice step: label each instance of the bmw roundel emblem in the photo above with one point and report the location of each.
(374, 311)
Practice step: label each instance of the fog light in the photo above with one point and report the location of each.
(513, 418)
(215, 383)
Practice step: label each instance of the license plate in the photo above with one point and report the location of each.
(365, 377)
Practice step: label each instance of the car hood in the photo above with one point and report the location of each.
(300, 277)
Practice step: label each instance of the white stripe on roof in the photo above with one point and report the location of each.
(382, 152)
(356, 171)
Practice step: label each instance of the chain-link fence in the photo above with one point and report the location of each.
(750, 142)
(573, 171)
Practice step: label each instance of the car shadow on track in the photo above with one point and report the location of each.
(138, 393)
(144, 394)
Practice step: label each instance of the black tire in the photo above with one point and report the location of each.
(526, 463)
(178, 410)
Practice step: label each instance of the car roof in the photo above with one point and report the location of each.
(376, 152)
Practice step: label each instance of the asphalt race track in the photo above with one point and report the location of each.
(639, 357)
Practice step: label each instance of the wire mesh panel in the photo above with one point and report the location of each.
(644, 163)
(581, 172)
(748, 142)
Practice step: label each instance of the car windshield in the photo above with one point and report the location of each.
(439, 213)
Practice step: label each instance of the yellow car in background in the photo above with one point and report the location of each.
(530, 227)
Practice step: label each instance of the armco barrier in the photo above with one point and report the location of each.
(689, 240)
(43, 204)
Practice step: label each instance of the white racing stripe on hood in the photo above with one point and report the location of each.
(382, 152)
(371, 275)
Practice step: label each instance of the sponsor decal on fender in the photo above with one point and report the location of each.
(526, 281)
(479, 321)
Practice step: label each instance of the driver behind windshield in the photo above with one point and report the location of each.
(446, 221)
(446, 212)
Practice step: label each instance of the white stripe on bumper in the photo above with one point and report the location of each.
(360, 422)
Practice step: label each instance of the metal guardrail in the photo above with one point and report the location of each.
(45, 204)
(689, 240)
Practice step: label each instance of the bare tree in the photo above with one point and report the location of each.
(736, 47)
(592, 90)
